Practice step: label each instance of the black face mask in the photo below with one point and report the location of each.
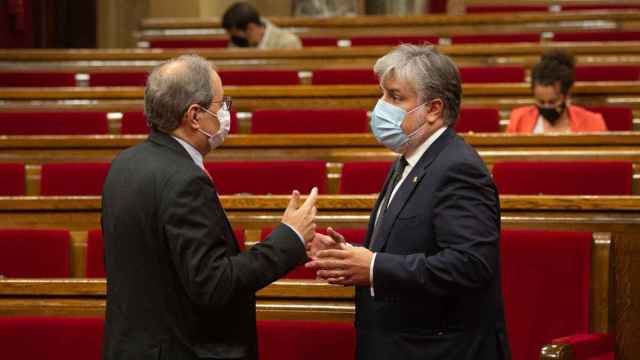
(551, 114)
(239, 41)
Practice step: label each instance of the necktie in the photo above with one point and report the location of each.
(397, 175)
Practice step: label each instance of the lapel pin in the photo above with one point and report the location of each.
(415, 179)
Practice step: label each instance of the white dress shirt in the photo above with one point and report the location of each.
(412, 160)
(198, 159)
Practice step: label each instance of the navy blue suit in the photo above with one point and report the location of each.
(437, 273)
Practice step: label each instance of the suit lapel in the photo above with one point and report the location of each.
(408, 186)
(374, 212)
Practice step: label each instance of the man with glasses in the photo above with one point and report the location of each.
(178, 286)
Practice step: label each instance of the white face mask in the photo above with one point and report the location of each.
(224, 118)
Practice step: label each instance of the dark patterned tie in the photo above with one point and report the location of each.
(397, 175)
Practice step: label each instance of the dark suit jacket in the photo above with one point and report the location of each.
(436, 275)
(177, 285)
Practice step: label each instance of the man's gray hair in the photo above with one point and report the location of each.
(175, 85)
(432, 75)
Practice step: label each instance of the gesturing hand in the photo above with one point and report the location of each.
(324, 242)
(348, 266)
(302, 217)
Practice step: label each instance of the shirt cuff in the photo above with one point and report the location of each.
(373, 260)
(297, 233)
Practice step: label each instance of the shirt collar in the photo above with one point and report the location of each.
(192, 151)
(413, 159)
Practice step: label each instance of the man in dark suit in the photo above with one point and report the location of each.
(178, 286)
(428, 278)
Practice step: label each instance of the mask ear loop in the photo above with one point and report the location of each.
(412, 135)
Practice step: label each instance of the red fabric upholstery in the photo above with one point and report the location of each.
(478, 9)
(37, 79)
(564, 178)
(589, 346)
(506, 74)
(268, 177)
(118, 78)
(259, 77)
(51, 338)
(363, 177)
(12, 179)
(597, 36)
(309, 121)
(188, 43)
(239, 233)
(607, 73)
(35, 253)
(495, 38)
(319, 41)
(73, 178)
(392, 40)
(306, 340)
(480, 120)
(134, 122)
(344, 76)
(53, 123)
(616, 118)
(545, 277)
(95, 255)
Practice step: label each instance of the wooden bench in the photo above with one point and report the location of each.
(332, 148)
(78, 60)
(247, 98)
(432, 24)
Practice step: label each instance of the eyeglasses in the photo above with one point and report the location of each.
(226, 102)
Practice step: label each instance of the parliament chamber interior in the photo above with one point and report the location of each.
(72, 84)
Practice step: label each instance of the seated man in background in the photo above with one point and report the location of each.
(551, 82)
(245, 28)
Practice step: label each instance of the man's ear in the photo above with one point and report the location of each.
(191, 117)
(435, 111)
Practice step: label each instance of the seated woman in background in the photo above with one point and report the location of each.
(551, 82)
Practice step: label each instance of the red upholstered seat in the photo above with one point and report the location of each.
(12, 179)
(37, 79)
(319, 41)
(134, 122)
(309, 121)
(53, 123)
(35, 253)
(478, 9)
(589, 346)
(73, 178)
(305, 340)
(95, 255)
(597, 36)
(188, 43)
(607, 73)
(51, 338)
(545, 284)
(505, 74)
(564, 177)
(239, 234)
(259, 77)
(268, 177)
(616, 118)
(343, 76)
(392, 40)
(363, 177)
(480, 120)
(121, 78)
(495, 38)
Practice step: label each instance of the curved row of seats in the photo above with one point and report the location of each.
(265, 121)
(239, 177)
(546, 276)
(469, 74)
(354, 41)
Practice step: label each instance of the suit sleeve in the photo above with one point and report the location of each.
(195, 229)
(466, 228)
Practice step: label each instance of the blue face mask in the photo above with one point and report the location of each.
(385, 125)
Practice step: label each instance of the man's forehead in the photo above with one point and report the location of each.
(391, 84)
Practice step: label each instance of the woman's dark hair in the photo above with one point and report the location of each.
(555, 66)
(239, 15)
